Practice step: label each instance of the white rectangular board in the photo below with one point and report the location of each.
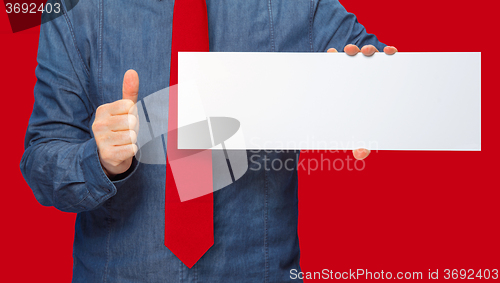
(407, 101)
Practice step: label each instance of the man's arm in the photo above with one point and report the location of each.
(61, 162)
(335, 29)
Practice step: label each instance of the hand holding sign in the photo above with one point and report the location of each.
(367, 50)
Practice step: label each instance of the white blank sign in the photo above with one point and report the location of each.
(407, 101)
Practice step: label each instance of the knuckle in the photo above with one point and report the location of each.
(102, 139)
(132, 121)
(117, 103)
(135, 149)
(102, 109)
(127, 103)
(125, 153)
(99, 109)
(133, 136)
(131, 150)
(97, 126)
(133, 108)
(98, 140)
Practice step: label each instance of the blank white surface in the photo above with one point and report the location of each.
(408, 101)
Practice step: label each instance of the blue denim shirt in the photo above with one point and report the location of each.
(119, 231)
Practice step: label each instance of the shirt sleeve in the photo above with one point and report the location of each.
(334, 27)
(61, 163)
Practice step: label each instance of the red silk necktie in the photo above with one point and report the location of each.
(189, 230)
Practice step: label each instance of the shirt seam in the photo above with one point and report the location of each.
(311, 18)
(100, 56)
(271, 24)
(73, 37)
(86, 71)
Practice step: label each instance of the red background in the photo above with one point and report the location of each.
(407, 211)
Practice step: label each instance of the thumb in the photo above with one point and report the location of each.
(131, 85)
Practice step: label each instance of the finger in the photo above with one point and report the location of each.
(131, 85)
(390, 50)
(133, 110)
(369, 50)
(351, 49)
(361, 153)
(124, 152)
(332, 50)
(120, 107)
(102, 111)
(123, 138)
(123, 122)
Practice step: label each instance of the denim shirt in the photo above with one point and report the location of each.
(119, 230)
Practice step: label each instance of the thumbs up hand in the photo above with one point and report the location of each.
(115, 128)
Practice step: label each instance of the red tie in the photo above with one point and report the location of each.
(189, 230)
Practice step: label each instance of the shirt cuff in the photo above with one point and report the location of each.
(100, 187)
